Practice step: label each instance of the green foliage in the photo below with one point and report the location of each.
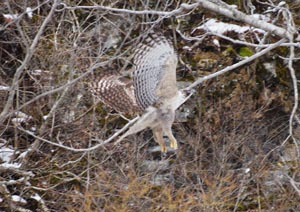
(245, 52)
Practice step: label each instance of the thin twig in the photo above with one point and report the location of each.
(236, 65)
(224, 9)
(29, 54)
(291, 27)
(233, 13)
(83, 149)
(58, 89)
(183, 7)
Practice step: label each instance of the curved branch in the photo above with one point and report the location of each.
(83, 149)
(236, 65)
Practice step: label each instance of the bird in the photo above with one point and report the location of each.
(151, 91)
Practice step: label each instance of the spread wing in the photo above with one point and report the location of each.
(150, 59)
(116, 93)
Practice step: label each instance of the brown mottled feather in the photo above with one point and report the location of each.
(152, 89)
(115, 92)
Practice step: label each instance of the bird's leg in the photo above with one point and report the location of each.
(158, 137)
(173, 141)
(147, 120)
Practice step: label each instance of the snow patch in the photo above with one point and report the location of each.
(10, 165)
(216, 43)
(29, 12)
(6, 154)
(17, 198)
(4, 88)
(10, 17)
(217, 27)
(36, 197)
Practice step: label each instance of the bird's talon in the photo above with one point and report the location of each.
(174, 145)
(164, 149)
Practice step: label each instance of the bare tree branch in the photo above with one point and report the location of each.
(226, 11)
(240, 16)
(236, 65)
(291, 26)
(83, 149)
(58, 89)
(182, 8)
(29, 54)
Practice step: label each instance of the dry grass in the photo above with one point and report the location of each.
(229, 158)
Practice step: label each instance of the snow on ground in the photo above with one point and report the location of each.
(218, 27)
(4, 88)
(29, 12)
(6, 155)
(36, 197)
(12, 17)
(17, 198)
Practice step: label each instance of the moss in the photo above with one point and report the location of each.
(245, 52)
